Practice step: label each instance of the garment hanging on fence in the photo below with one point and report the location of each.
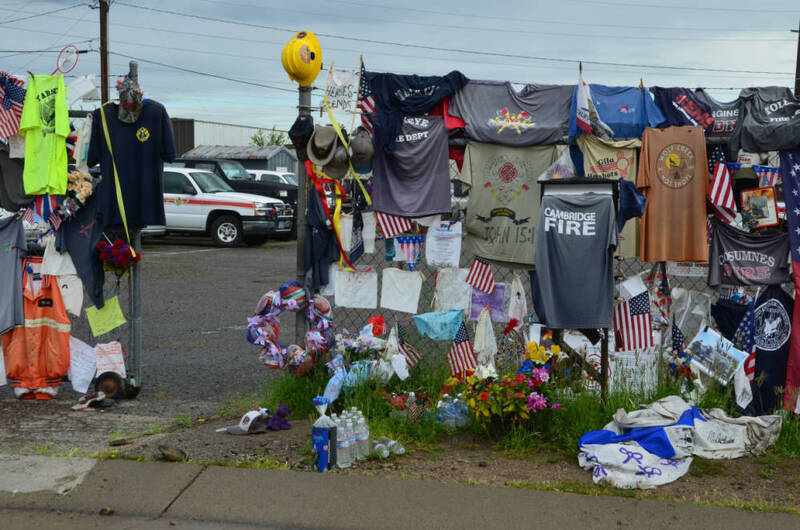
(495, 112)
(12, 189)
(673, 174)
(140, 150)
(770, 120)
(574, 231)
(13, 248)
(45, 126)
(79, 236)
(725, 114)
(503, 205)
(742, 258)
(441, 325)
(414, 179)
(626, 110)
(773, 327)
(681, 106)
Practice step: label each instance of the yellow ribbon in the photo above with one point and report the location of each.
(117, 185)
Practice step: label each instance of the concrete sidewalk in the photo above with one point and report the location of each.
(163, 495)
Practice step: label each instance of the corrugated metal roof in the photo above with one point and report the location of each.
(250, 152)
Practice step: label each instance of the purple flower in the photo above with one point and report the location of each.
(555, 406)
(536, 401)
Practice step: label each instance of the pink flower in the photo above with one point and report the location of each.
(536, 401)
(555, 406)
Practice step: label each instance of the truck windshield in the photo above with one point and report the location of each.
(209, 182)
(234, 170)
(291, 178)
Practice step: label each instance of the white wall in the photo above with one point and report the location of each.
(212, 133)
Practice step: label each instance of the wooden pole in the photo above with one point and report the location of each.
(104, 50)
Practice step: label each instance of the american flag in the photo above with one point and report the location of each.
(365, 101)
(720, 193)
(659, 286)
(391, 225)
(412, 355)
(461, 357)
(790, 170)
(678, 339)
(632, 323)
(12, 97)
(480, 276)
(28, 215)
(45, 205)
(411, 247)
(745, 336)
(767, 175)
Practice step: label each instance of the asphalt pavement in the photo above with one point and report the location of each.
(196, 299)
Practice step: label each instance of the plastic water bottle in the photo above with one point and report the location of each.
(380, 449)
(393, 445)
(351, 441)
(362, 438)
(343, 453)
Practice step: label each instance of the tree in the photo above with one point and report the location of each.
(273, 137)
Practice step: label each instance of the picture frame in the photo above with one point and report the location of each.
(763, 205)
(714, 355)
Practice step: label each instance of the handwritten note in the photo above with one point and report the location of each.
(110, 359)
(82, 364)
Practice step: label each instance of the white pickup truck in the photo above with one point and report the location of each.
(199, 201)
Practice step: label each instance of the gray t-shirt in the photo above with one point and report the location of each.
(573, 285)
(742, 258)
(414, 179)
(496, 113)
(769, 120)
(12, 190)
(13, 249)
(503, 204)
(725, 114)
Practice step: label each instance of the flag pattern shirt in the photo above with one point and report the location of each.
(481, 277)
(633, 325)
(790, 170)
(461, 357)
(12, 97)
(767, 175)
(366, 101)
(720, 192)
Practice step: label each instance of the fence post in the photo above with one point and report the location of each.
(303, 108)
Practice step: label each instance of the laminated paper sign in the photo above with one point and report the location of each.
(443, 246)
(340, 90)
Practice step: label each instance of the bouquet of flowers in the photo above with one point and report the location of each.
(79, 189)
(117, 257)
(680, 367)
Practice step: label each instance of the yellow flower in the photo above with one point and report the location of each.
(537, 353)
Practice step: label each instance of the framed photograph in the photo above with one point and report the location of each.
(714, 355)
(762, 205)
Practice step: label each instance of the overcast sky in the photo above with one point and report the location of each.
(739, 35)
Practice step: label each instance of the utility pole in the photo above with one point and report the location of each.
(304, 108)
(104, 50)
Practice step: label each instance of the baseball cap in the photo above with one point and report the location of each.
(300, 133)
(252, 422)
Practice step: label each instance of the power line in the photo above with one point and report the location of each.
(443, 25)
(207, 74)
(692, 7)
(42, 14)
(519, 19)
(454, 50)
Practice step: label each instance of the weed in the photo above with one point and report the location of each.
(262, 462)
(703, 466)
(235, 408)
(155, 429)
(116, 455)
(788, 444)
(119, 434)
(766, 472)
(182, 420)
(46, 449)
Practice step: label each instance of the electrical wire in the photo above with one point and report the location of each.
(522, 19)
(444, 25)
(42, 14)
(454, 50)
(673, 7)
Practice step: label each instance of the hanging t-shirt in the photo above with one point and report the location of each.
(79, 236)
(673, 175)
(681, 106)
(627, 110)
(742, 258)
(497, 113)
(613, 159)
(320, 244)
(397, 96)
(140, 150)
(773, 327)
(13, 249)
(770, 120)
(503, 205)
(414, 179)
(725, 114)
(573, 283)
(12, 190)
(45, 126)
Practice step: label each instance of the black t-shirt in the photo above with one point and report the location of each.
(773, 328)
(79, 236)
(769, 121)
(140, 150)
(681, 106)
(742, 258)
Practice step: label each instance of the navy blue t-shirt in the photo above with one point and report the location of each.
(408, 95)
(79, 236)
(773, 329)
(140, 150)
(681, 106)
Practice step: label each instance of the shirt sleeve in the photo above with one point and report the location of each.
(30, 110)
(654, 115)
(167, 139)
(96, 140)
(21, 243)
(465, 175)
(642, 179)
(62, 114)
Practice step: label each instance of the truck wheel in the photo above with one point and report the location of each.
(226, 231)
